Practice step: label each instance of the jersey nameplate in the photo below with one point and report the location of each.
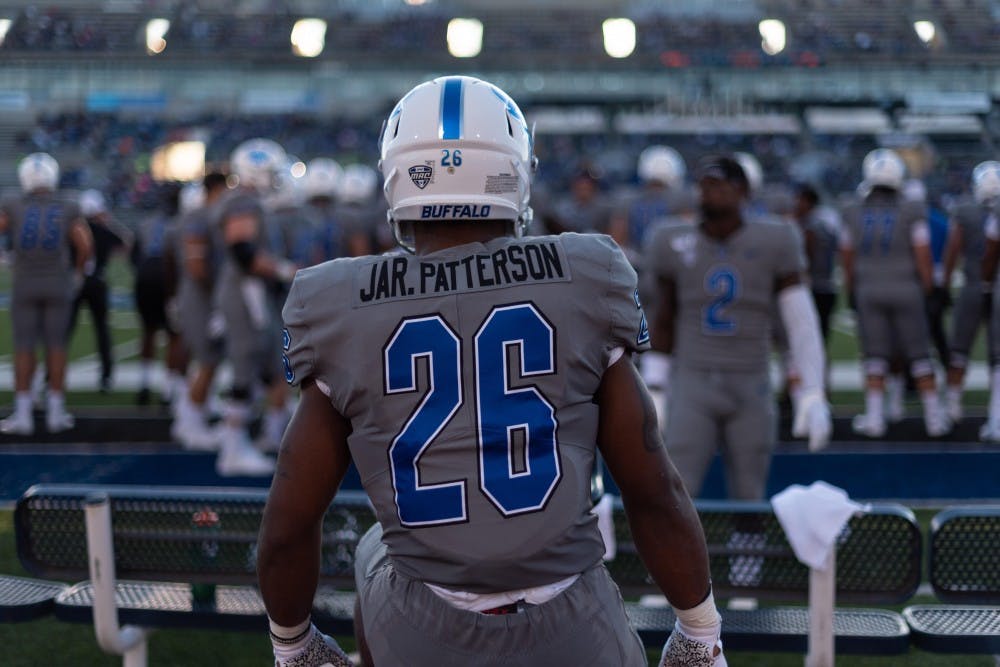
(403, 277)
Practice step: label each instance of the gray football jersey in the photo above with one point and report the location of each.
(824, 224)
(725, 289)
(469, 377)
(971, 217)
(240, 202)
(39, 226)
(879, 229)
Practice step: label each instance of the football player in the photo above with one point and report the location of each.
(712, 289)
(472, 384)
(250, 268)
(200, 251)
(987, 173)
(357, 211)
(886, 256)
(967, 243)
(661, 171)
(43, 225)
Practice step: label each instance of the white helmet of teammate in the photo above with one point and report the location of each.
(192, 197)
(256, 162)
(457, 148)
(883, 168)
(92, 203)
(661, 164)
(322, 179)
(38, 171)
(986, 181)
(358, 184)
(752, 170)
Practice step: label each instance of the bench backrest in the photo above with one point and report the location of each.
(878, 555)
(964, 555)
(193, 534)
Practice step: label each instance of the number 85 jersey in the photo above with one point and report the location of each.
(468, 376)
(725, 289)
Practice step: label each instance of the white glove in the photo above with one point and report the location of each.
(695, 640)
(314, 650)
(812, 420)
(285, 270)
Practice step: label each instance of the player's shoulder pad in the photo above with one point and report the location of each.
(594, 254)
(917, 210)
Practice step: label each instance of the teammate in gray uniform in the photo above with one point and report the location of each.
(885, 249)
(249, 271)
(43, 225)
(584, 209)
(661, 171)
(820, 227)
(472, 384)
(986, 182)
(712, 289)
(201, 252)
(967, 243)
(357, 212)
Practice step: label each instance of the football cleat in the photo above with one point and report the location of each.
(682, 651)
(237, 456)
(18, 425)
(869, 425)
(319, 651)
(936, 423)
(57, 421)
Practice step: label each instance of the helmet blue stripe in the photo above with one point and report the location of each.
(451, 109)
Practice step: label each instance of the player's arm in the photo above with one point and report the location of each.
(988, 269)
(664, 523)
(805, 341)
(847, 254)
(952, 251)
(240, 235)
(83, 243)
(311, 465)
(920, 242)
(194, 251)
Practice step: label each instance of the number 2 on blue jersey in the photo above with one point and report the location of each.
(723, 284)
(504, 416)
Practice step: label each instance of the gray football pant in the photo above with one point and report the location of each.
(39, 314)
(891, 321)
(966, 318)
(709, 410)
(408, 624)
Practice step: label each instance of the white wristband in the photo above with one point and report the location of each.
(701, 623)
(655, 369)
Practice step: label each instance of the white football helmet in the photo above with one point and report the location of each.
(256, 162)
(752, 170)
(358, 184)
(456, 148)
(883, 168)
(662, 164)
(38, 171)
(192, 197)
(322, 179)
(92, 203)
(986, 181)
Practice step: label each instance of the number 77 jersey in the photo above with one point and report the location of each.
(468, 376)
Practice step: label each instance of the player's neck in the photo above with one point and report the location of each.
(431, 238)
(721, 226)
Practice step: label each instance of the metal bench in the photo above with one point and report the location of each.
(964, 572)
(148, 546)
(23, 599)
(878, 562)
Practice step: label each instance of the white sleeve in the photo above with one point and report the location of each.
(798, 314)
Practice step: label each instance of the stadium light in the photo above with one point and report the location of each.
(465, 37)
(4, 27)
(619, 37)
(416, 3)
(156, 32)
(308, 37)
(298, 169)
(925, 31)
(772, 36)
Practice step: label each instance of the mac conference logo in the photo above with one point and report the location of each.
(421, 175)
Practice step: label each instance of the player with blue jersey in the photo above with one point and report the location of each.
(472, 384)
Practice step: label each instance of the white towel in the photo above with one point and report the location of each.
(812, 517)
